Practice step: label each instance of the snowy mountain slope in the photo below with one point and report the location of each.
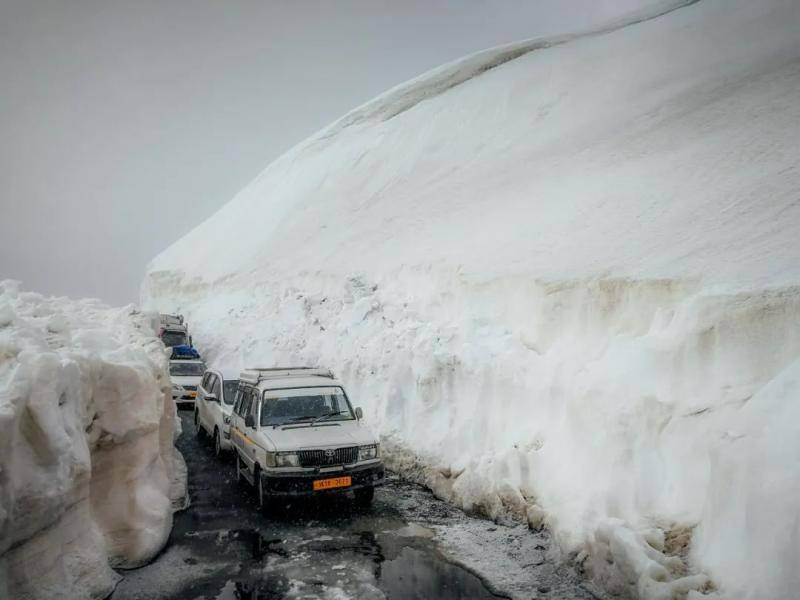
(564, 284)
(87, 465)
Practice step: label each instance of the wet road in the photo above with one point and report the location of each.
(222, 547)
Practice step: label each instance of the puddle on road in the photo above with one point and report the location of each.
(357, 565)
(259, 546)
(418, 574)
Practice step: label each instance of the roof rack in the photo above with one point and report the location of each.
(171, 319)
(255, 375)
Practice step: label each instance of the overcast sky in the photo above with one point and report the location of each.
(124, 124)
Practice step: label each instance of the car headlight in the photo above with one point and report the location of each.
(226, 419)
(287, 459)
(368, 452)
(282, 459)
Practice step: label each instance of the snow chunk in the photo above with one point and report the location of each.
(87, 463)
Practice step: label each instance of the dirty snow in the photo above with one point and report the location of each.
(564, 285)
(88, 470)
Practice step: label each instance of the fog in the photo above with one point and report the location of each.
(125, 124)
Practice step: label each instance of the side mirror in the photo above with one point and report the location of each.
(212, 398)
(359, 413)
(250, 421)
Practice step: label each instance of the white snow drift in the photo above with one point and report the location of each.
(563, 279)
(88, 470)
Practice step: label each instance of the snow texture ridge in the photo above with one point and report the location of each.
(566, 287)
(88, 469)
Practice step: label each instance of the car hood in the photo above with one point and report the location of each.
(319, 436)
(185, 380)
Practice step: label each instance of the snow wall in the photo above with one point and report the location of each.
(88, 470)
(563, 280)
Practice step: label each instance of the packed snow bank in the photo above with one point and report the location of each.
(566, 285)
(88, 469)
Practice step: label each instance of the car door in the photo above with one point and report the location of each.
(250, 443)
(234, 417)
(215, 408)
(207, 410)
(200, 398)
(239, 433)
(202, 391)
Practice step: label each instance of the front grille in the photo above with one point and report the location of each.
(326, 458)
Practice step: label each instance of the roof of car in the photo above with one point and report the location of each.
(226, 374)
(277, 378)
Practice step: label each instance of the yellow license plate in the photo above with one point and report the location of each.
(335, 482)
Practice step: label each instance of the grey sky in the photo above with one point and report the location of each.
(124, 124)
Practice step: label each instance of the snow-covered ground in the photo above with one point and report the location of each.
(563, 280)
(88, 470)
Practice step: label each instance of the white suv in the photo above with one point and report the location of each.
(185, 376)
(295, 433)
(212, 412)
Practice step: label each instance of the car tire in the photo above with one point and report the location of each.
(201, 433)
(217, 443)
(364, 496)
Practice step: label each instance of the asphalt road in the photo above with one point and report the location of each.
(222, 547)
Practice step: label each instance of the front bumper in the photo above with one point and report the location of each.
(301, 484)
(185, 398)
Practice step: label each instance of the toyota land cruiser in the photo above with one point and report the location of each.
(294, 433)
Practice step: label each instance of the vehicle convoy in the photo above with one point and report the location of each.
(295, 433)
(213, 408)
(185, 376)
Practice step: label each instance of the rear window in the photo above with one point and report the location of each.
(173, 338)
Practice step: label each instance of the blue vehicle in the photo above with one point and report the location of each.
(184, 352)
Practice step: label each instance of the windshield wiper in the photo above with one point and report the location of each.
(330, 414)
(292, 420)
(300, 418)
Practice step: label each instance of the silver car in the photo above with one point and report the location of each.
(295, 433)
(212, 411)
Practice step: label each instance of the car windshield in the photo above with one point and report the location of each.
(279, 407)
(229, 390)
(186, 368)
(173, 338)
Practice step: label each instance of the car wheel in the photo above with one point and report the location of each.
(364, 496)
(217, 443)
(201, 433)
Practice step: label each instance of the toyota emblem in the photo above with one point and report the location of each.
(330, 453)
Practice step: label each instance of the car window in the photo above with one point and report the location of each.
(173, 338)
(229, 390)
(245, 407)
(215, 388)
(238, 401)
(210, 383)
(203, 381)
(254, 405)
